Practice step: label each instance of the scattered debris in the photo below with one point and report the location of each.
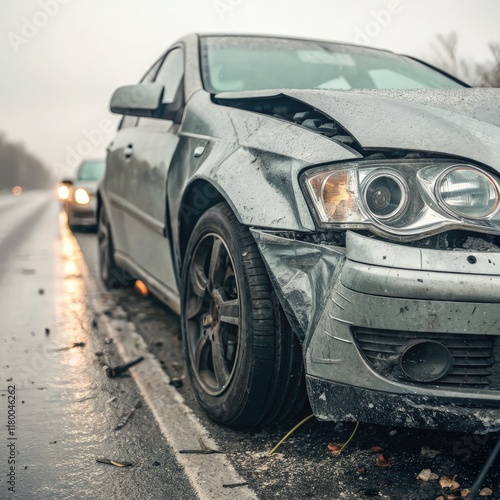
(110, 400)
(449, 482)
(9, 379)
(84, 399)
(393, 433)
(464, 493)
(287, 435)
(53, 442)
(486, 492)
(204, 449)
(108, 341)
(41, 291)
(123, 423)
(156, 463)
(32, 334)
(120, 370)
(476, 487)
(47, 331)
(361, 470)
(177, 382)
(427, 475)
(76, 344)
(113, 462)
(99, 354)
(428, 453)
(234, 485)
(376, 449)
(382, 462)
(333, 449)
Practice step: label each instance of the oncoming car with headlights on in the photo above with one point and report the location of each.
(79, 195)
(325, 219)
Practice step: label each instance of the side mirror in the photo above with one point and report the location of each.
(143, 99)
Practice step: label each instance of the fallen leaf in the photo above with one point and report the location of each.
(426, 452)
(485, 492)
(464, 492)
(427, 475)
(449, 482)
(382, 462)
(376, 449)
(334, 448)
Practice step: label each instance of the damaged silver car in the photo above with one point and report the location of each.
(325, 219)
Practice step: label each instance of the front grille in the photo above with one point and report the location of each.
(476, 357)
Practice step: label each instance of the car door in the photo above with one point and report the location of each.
(147, 153)
(117, 180)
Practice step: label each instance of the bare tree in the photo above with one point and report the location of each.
(478, 74)
(19, 167)
(490, 72)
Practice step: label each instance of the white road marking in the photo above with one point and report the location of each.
(177, 422)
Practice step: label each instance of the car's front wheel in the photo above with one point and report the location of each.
(244, 361)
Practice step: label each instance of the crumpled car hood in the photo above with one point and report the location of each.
(464, 122)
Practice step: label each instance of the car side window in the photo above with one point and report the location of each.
(171, 73)
(151, 74)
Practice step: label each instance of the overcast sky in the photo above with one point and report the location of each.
(59, 69)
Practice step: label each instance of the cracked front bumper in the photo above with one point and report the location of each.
(339, 299)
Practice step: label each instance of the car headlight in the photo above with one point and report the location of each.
(468, 192)
(82, 197)
(404, 199)
(385, 195)
(63, 192)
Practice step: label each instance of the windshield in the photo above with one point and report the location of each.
(91, 171)
(232, 64)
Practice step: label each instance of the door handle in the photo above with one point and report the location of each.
(128, 151)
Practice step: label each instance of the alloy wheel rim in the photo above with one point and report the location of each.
(213, 315)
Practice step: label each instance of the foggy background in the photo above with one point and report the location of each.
(61, 60)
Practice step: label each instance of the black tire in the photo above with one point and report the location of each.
(244, 361)
(111, 275)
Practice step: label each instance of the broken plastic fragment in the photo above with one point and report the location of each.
(427, 475)
(449, 482)
(426, 452)
(113, 462)
(382, 462)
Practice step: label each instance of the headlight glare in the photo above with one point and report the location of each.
(63, 192)
(82, 197)
(469, 193)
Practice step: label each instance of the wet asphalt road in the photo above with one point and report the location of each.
(63, 413)
(55, 388)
